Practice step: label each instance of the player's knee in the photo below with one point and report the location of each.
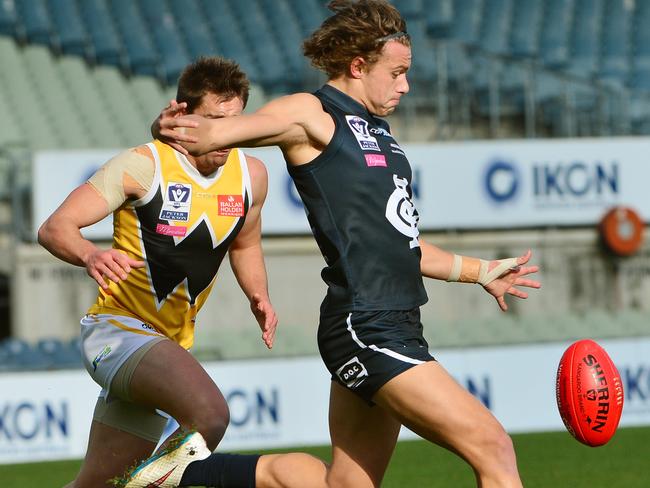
(351, 479)
(212, 423)
(500, 452)
(291, 469)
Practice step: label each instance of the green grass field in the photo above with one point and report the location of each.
(548, 460)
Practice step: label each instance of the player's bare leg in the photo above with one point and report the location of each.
(109, 452)
(430, 402)
(363, 440)
(168, 378)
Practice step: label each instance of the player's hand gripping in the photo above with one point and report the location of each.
(266, 318)
(110, 264)
(512, 278)
(168, 127)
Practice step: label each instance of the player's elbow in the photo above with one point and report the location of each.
(44, 233)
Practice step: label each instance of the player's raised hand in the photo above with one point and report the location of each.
(169, 125)
(266, 318)
(513, 277)
(110, 264)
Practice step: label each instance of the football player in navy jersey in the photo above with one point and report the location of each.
(355, 182)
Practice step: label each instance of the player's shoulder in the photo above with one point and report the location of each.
(134, 155)
(142, 150)
(294, 103)
(256, 167)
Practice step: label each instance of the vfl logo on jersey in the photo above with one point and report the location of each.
(352, 373)
(176, 203)
(231, 205)
(359, 128)
(401, 212)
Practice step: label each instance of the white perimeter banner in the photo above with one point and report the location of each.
(470, 185)
(283, 402)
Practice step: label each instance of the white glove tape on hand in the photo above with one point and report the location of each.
(472, 270)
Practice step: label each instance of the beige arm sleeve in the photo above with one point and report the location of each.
(133, 167)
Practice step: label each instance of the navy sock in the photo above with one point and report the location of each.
(220, 470)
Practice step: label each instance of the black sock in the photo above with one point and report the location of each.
(222, 470)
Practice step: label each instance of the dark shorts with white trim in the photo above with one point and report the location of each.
(365, 350)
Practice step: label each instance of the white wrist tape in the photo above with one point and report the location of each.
(473, 270)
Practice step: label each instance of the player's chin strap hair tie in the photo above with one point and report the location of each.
(390, 37)
(473, 270)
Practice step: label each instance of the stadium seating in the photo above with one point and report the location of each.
(35, 21)
(142, 57)
(69, 36)
(107, 48)
(575, 59)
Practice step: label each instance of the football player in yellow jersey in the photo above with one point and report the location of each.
(175, 218)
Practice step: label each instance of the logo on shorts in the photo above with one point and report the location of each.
(105, 352)
(148, 327)
(352, 373)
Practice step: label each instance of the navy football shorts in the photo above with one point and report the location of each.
(364, 350)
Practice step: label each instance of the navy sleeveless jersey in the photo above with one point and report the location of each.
(357, 196)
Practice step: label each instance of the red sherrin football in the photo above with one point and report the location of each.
(589, 393)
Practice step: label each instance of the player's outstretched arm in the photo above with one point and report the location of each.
(499, 277)
(288, 121)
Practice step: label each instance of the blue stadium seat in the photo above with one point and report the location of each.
(492, 40)
(275, 73)
(193, 28)
(8, 18)
(228, 38)
(525, 28)
(21, 356)
(495, 26)
(410, 9)
(614, 65)
(554, 35)
(58, 354)
(105, 42)
(439, 15)
(310, 14)
(283, 21)
(35, 21)
(584, 38)
(423, 66)
(640, 46)
(466, 21)
(173, 53)
(142, 58)
(69, 28)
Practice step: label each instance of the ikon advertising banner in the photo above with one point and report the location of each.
(469, 185)
(283, 402)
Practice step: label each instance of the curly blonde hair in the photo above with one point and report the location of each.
(357, 28)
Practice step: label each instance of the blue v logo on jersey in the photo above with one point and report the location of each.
(177, 202)
(359, 128)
